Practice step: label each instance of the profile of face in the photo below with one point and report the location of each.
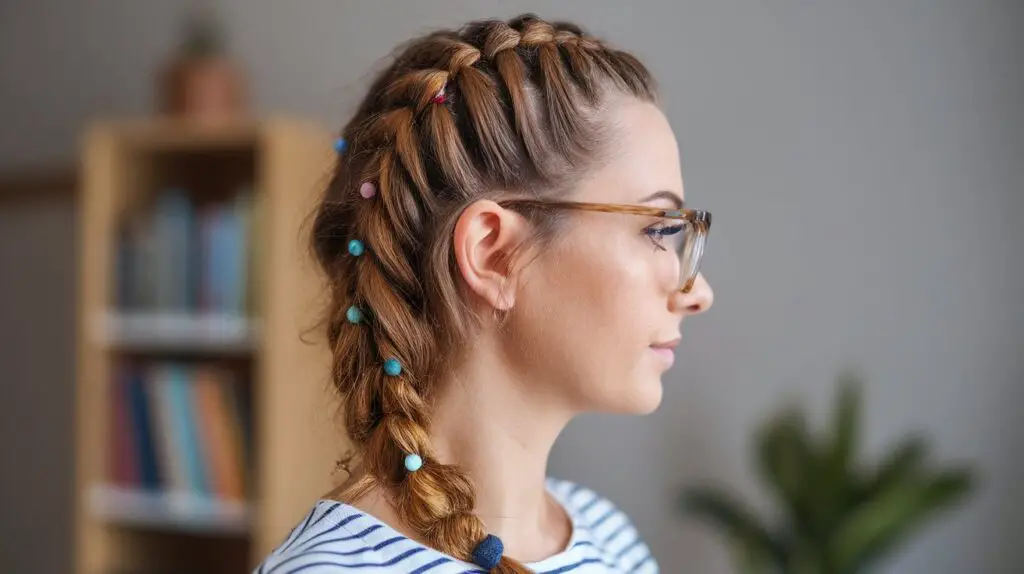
(594, 317)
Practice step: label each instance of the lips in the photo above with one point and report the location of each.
(666, 351)
(668, 345)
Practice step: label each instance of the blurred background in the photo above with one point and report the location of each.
(863, 161)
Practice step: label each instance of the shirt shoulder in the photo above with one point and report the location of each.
(337, 538)
(601, 525)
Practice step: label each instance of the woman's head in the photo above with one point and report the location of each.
(467, 139)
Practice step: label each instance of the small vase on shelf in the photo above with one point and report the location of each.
(201, 81)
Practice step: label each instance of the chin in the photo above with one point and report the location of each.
(643, 398)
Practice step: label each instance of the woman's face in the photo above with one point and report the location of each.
(598, 311)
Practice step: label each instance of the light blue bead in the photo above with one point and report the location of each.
(355, 247)
(340, 145)
(393, 367)
(354, 315)
(413, 462)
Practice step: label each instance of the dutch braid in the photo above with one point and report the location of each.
(495, 106)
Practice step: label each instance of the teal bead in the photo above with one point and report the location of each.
(413, 462)
(354, 315)
(393, 367)
(355, 247)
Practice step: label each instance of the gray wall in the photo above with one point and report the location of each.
(862, 160)
(37, 301)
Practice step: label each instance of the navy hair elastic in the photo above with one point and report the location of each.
(487, 554)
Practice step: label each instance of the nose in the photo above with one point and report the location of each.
(698, 300)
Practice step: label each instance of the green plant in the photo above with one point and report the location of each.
(837, 514)
(202, 33)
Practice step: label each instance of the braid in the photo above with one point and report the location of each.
(494, 106)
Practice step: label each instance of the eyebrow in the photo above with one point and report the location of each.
(665, 194)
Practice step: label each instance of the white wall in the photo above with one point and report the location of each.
(863, 163)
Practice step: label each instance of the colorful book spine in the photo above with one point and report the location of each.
(144, 432)
(188, 257)
(235, 422)
(179, 395)
(180, 428)
(168, 441)
(124, 465)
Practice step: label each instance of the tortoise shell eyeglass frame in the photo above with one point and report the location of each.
(696, 224)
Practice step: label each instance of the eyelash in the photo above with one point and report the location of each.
(660, 230)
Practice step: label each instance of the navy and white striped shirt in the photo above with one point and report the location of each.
(335, 537)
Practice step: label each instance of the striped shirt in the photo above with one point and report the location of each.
(335, 537)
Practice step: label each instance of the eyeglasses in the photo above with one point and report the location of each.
(688, 237)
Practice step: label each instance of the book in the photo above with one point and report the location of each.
(184, 256)
(180, 428)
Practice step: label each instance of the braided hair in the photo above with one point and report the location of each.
(492, 108)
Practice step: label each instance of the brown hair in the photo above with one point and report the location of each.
(493, 109)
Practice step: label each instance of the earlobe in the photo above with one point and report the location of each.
(484, 239)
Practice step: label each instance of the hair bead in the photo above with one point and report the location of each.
(487, 553)
(440, 97)
(353, 314)
(355, 247)
(340, 145)
(413, 462)
(367, 190)
(392, 367)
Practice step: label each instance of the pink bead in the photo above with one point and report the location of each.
(367, 190)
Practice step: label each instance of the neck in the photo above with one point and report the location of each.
(487, 421)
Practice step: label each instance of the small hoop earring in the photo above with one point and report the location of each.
(344, 464)
(501, 317)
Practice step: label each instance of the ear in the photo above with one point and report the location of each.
(485, 237)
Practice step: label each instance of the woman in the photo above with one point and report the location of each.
(506, 247)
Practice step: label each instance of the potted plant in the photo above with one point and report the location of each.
(837, 514)
(201, 80)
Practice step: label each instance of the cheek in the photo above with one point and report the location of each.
(588, 310)
(595, 280)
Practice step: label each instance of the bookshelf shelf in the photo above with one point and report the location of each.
(174, 135)
(197, 441)
(169, 331)
(182, 512)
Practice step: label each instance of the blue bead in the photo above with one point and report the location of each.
(488, 553)
(413, 462)
(354, 315)
(355, 247)
(393, 367)
(340, 145)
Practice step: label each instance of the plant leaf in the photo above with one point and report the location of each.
(788, 464)
(901, 464)
(834, 486)
(753, 543)
(880, 524)
(845, 426)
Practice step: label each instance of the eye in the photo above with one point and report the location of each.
(658, 233)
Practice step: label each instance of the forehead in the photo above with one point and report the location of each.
(643, 156)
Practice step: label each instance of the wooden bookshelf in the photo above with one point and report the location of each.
(291, 438)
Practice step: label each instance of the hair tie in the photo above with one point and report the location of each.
(440, 97)
(340, 145)
(487, 554)
(367, 190)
